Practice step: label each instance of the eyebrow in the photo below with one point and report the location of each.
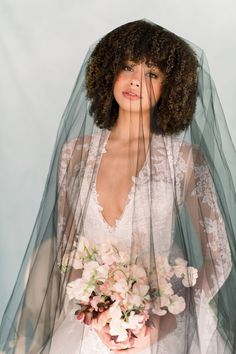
(131, 63)
(150, 65)
(153, 66)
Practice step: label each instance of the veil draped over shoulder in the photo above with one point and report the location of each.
(171, 207)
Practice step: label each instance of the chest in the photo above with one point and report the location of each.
(113, 184)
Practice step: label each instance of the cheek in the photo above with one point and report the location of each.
(156, 91)
(117, 85)
(116, 89)
(151, 94)
(152, 90)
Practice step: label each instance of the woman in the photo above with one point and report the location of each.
(139, 161)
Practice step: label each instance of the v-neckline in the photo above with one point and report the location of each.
(129, 195)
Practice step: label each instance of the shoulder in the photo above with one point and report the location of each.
(181, 155)
(76, 144)
(176, 147)
(78, 147)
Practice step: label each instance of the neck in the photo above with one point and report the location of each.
(131, 125)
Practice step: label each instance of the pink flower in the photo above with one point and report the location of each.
(101, 321)
(95, 301)
(119, 274)
(139, 273)
(105, 288)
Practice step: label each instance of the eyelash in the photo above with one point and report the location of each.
(151, 75)
(125, 67)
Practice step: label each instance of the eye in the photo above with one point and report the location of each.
(127, 67)
(152, 75)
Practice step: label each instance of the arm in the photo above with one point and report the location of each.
(201, 203)
(70, 176)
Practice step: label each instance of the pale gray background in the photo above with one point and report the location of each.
(42, 45)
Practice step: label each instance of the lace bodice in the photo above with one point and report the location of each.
(174, 174)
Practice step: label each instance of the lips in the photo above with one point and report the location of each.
(131, 95)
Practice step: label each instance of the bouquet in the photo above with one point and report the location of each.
(113, 292)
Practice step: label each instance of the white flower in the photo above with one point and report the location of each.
(82, 244)
(90, 269)
(134, 321)
(79, 290)
(177, 304)
(140, 289)
(158, 311)
(190, 277)
(72, 259)
(180, 267)
(139, 273)
(117, 324)
(159, 303)
(134, 300)
(121, 287)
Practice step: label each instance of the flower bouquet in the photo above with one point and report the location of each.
(113, 292)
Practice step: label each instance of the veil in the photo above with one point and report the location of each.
(171, 209)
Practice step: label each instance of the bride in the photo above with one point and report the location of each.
(134, 164)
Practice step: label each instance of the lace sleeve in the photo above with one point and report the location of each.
(65, 222)
(70, 176)
(201, 203)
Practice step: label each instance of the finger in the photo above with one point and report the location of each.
(106, 328)
(142, 332)
(118, 346)
(125, 351)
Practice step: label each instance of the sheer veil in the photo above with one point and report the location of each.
(179, 200)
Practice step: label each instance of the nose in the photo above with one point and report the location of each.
(135, 83)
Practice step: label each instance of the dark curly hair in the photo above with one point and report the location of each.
(143, 41)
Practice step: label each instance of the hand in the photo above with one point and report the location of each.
(145, 337)
(106, 338)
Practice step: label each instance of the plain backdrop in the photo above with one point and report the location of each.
(42, 45)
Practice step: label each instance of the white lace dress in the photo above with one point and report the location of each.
(178, 157)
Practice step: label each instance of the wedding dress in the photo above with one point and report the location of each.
(181, 203)
(65, 339)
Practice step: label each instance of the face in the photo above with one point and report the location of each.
(138, 87)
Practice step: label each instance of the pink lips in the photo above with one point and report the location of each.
(131, 95)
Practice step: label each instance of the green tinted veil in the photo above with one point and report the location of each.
(181, 203)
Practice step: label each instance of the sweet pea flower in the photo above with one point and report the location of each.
(134, 321)
(71, 259)
(190, 278)
(95, 301)
(82, 244)
(177, 305)
(92, 269)
(121, 287)
(79, 290)
(101, 321)
(117, 325)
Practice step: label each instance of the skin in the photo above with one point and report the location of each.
(144, 338)
(146, 82)
(128, 142)
(128, 139)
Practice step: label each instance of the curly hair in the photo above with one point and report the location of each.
(142, 41)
